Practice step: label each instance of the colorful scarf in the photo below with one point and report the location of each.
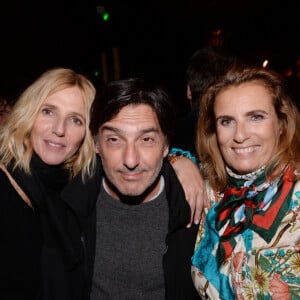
(256, 204)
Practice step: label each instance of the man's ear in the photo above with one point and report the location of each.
(97, 147)
(166, 150)
(97, 150)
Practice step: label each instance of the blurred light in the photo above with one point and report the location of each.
(265, 63)
(101, 11)
(105, 16)
(216, 38)
(96, 73)
(288, 72)
(217, 32)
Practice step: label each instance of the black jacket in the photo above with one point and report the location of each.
(31, 238)
(20, 246)
(48, 253)
(180, 240)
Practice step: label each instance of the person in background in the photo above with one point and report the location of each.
(203, 68)
(248, 142)
(137, 234)
(5, 109)
(44, 144)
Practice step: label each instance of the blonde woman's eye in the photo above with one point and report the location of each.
(47, 111)
(77, 121)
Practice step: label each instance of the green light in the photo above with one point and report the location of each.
(96, 74)
(105, 16)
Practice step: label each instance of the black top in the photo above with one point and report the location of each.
(24, 232)
(49, 253)
(180, 240)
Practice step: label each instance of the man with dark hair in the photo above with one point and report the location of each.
(203, 68)
(141, 246)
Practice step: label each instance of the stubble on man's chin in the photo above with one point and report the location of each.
(129, 199)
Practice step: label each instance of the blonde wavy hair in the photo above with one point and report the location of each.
(15, 143)
(288, 150)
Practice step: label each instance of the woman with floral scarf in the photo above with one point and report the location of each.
(248, 244)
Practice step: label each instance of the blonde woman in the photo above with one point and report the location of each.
(43, 145)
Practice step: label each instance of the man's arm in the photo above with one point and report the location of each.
(188, 173)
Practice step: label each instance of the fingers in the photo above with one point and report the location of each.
(194, 187)
(196, 211)
(192, 207)
(197, 201)
(197, 215)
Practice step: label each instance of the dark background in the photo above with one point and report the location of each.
(151, 39)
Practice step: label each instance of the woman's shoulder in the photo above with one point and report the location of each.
(8, 194)
(213, 196)
(297, 186)
(296, 195)
(5, 184)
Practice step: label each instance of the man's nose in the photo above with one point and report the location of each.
(131, 156)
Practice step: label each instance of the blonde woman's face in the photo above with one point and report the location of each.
(59, 128)
(248, 129)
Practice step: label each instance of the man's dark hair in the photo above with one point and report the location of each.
(118, 94)
(203, 68)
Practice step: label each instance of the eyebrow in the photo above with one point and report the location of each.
(257, 111)
(47, 105)
(119, 131)
(249, 113)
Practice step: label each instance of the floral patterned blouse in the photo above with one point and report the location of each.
(255, 269)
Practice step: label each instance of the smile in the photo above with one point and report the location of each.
(55, 145)
(245, 150)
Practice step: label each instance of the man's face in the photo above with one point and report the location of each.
(132, 147)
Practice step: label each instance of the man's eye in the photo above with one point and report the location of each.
(112, 140)
(148, 139)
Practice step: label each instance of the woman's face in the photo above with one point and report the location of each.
(59, 128)
(248, 128)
